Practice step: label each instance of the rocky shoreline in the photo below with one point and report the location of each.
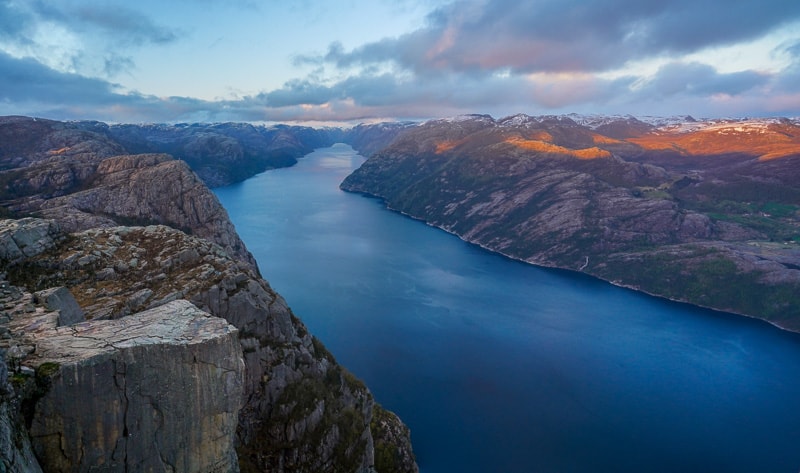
(631, 216)
(581, 271)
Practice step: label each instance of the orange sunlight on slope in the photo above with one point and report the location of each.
(604, 140)
(766, 143)
(445, 146)
(542, 147)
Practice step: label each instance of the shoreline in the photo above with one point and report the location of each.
(573, 271)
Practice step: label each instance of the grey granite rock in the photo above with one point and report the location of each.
(26, 237)
(301, 410)
(155, 391)
(61, 300)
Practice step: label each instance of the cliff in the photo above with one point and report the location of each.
(95, 185)
(298, 409)
(168, 373)
(706, 214)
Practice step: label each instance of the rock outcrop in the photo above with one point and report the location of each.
(16, 453)
(393, 451)
(369, 139)
(299, 409)
(649, 212)
(159, 390)
(128, 189)
(23, 238)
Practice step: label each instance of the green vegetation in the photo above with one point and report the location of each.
(296, 408)
(30, 389)
(321, 351)
(778, 221)
(708, 278)
(46, 370)
(388, 456)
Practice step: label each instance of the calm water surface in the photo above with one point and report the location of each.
(498, 366)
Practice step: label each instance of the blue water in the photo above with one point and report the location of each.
(499, 366)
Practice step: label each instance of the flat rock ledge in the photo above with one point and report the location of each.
(159, 390)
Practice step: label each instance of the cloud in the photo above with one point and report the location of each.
(14, 22)
(700, 80)
(28, 80)
(547, 56)
(78, 36)
(120, 22)
(491, 56)
(114, 64)
(117, 23)
(789, 79)
(565, 35)
(29, 87)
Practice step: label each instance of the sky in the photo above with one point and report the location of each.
(350, 61)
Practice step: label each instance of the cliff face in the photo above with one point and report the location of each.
(165, 386)
(117, 394)
(639, 212)
(300, 410)
(127, 189)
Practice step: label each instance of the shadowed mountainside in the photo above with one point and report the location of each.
(221, 153)
(702, 212)
(225, 153)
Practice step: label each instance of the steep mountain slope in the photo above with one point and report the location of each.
(223, 153)
(368, 139)
(703, 212)
(299, 409)
(85, 180)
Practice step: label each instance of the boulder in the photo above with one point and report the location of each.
(61, 300)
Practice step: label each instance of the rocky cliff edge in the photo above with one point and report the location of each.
(299, 410)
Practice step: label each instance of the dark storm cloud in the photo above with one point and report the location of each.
(567, 35)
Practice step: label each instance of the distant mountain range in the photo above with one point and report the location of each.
(698, 210)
